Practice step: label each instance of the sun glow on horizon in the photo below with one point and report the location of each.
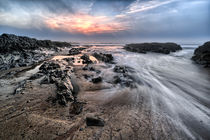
(85, 24)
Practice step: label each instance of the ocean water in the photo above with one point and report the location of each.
(173, 85)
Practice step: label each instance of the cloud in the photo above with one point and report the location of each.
(83, 23)
(107, 18)
(140, 6)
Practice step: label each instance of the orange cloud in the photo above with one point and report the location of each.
(85, 24)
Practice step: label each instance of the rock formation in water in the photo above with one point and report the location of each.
(108, 58)
(164, 48)
(19, 51)
(202, 54)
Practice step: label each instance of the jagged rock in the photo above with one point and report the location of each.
(125, 80)
(123, 77)
(94, 121)
(86, 59)
(97, 79)
(69, 59)
(75, 51)
(87, 67)
(76, 108)
(122, 69)
(58, 74)
(108, 58)
(164, 48)
(20, 51)
(202, 54)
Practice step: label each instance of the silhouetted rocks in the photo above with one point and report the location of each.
(108, 58)
(164, 48)
(20, 51)
(202, 54)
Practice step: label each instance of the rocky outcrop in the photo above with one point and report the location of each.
(58, 74)
(11, 43)
(107, 58)
(86, 59)
(75, 51)
(19, 51)
(123, 77)
(164, 48)
(202, 54)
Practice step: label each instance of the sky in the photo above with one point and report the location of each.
(118, 21)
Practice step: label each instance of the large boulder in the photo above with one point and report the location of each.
(164, 48)
(202, 54)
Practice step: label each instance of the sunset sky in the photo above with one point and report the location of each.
(107, 20)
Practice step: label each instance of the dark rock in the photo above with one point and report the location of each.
(164, 48)
(58, 74)
(20, 51)
(97, 79)
(125, 80)
(124, 76)
(108, 58)
(69, 59)
(74, 51)
(76, 108)
(123, 69)
(94, 121)
(86, 59)
(87, 67)
(202, 54)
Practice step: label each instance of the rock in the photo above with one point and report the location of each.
(125, 80)
(86, 59)
(87, 67)
(94, 121)
(74, 51)
(123, 69)
(20, 51)
(56, 73)
(69, 59)
(97, 79)
(76, 108)
(108, 58)
(164, 48)
(123, 77)
(202, 54)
